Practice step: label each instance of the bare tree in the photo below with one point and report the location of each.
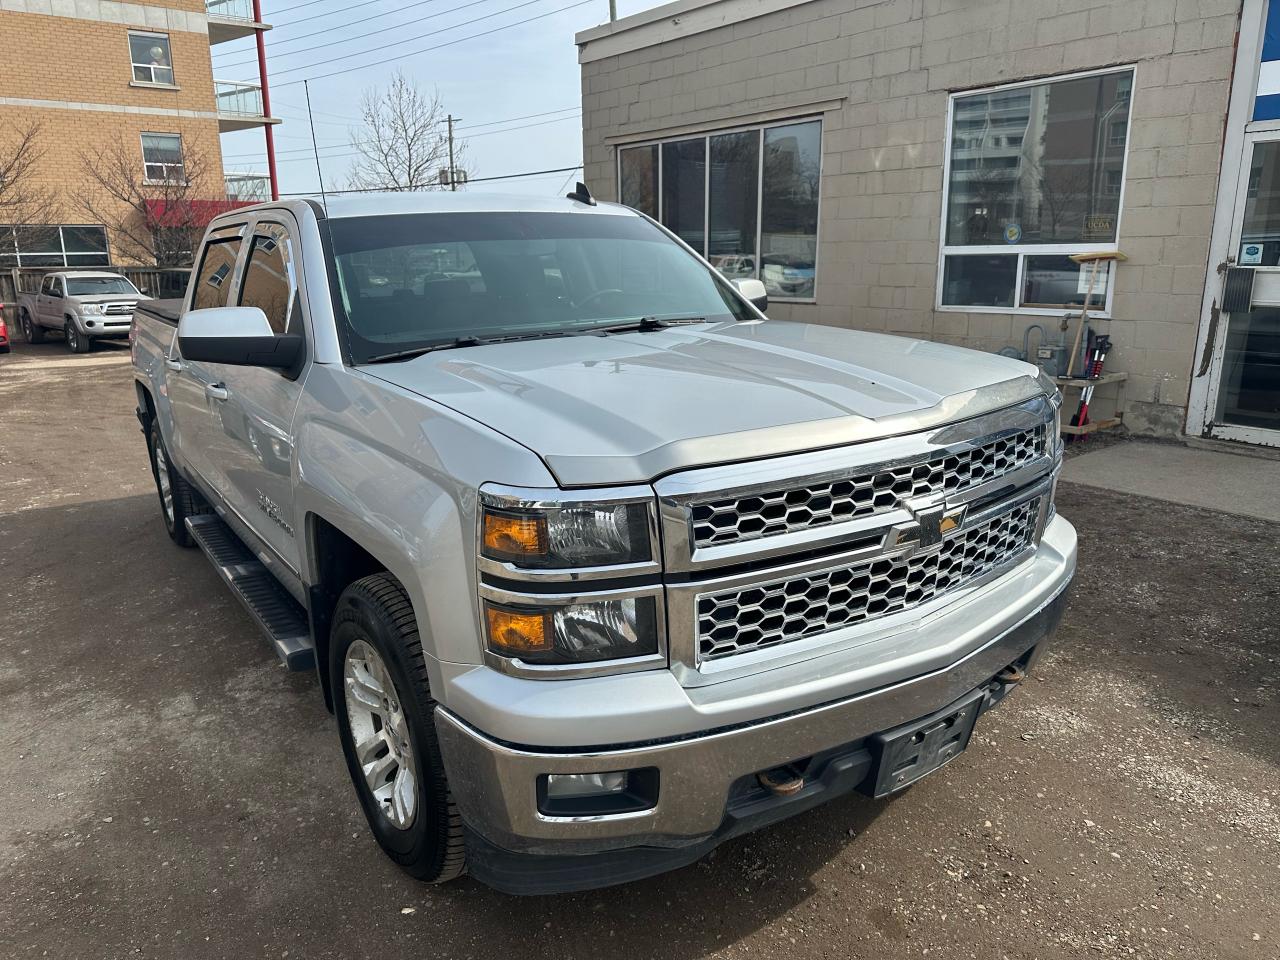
(23, 199)
(158, 218)
(402, 141)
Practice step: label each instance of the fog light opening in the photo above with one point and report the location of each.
(597, 794)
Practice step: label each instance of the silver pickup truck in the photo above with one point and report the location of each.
(596, 565)
(81, 306)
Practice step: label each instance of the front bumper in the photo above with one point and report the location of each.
(515, 847)
(102, 326)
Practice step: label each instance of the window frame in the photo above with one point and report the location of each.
(263, 230)
(759, 128)
(1025, 250)
(9, 246)
(181, 164)
(133, 65)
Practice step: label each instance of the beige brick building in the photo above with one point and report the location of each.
(927, 167)
(97, 79)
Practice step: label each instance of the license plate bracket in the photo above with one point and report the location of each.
(914, 750)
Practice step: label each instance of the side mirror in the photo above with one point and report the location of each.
(237, 335)
(753, 290)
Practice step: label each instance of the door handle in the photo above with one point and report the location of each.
(216, 391)
(174, 365)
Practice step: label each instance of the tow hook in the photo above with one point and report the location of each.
(1011, 675)
(781, 781)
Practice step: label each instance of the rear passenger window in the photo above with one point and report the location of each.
(268, 284)
(213, 283)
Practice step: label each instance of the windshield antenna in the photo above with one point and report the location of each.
(324, 201)
(582, 195)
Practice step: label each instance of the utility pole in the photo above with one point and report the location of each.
(453, 174)
(613, 10)
(314, 149)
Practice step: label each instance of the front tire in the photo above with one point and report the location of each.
(177, 498)
(31, 331)
(77, 342)
(385, 718)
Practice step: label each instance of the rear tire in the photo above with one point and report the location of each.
(177, 498)
(386, 722)
(31, 331)
(77, 342)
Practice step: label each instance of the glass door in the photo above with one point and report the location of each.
(1248, 362)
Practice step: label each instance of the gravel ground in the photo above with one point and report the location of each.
(167, 790)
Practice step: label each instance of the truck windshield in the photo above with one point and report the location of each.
(414, 280)
(91, 286)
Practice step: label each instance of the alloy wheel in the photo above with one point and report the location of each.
(380, 734)
(165, 484)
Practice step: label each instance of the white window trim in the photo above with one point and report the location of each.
(133, 64)
(1023, 250)
(181, 165)
(706, 136)
(9, 245)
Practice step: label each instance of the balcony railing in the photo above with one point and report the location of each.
(248, 187)
(231, 9)
(238, 99)
(231, 20)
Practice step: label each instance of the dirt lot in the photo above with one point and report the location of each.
(167, 790)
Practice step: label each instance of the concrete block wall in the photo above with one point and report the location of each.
(892, 65)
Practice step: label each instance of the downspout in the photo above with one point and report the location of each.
(266, 102)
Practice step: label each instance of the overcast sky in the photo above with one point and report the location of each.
(529, 69)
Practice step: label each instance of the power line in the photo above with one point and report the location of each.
(505, 176)
(414, 53)
(396, 43)
(339, 146)
(272, 47)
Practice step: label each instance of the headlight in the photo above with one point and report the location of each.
(93, 309)
(573, 633)
(526, 530)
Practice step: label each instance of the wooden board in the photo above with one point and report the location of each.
(1091, 427)
(1084, 382)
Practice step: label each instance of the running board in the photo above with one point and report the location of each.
(277, 614)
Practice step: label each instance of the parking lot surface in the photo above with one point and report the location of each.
(168, 790)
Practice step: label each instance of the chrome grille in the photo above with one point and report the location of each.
(732, 520)
(114, 309)
(745, 619)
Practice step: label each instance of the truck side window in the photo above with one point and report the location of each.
(55, 288)
(268, 284)
(46, 288)
(213, 283)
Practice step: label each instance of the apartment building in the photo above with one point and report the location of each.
(127, 89)
(929, 168)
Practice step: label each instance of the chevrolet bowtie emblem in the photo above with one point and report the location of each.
(931, 521)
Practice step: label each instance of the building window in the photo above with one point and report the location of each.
(162, 157)
(149, 53)
(746, 199)
(1017, 207)
(31, 245)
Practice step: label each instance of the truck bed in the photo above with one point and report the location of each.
(166, 311)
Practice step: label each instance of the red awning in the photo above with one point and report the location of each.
(179, 213)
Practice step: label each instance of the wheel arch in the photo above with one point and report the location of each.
(337, 560)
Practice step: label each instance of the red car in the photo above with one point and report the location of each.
(4, 333)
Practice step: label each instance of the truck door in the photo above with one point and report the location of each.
(254, 451)
(194, 387)
(49, 305)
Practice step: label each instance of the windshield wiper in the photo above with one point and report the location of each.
(409, 354)
(647, 324)
(468, 342)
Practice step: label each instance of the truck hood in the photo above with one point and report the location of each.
(627, 408)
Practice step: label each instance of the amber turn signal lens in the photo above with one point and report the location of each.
(508, 536)
(518, 631)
